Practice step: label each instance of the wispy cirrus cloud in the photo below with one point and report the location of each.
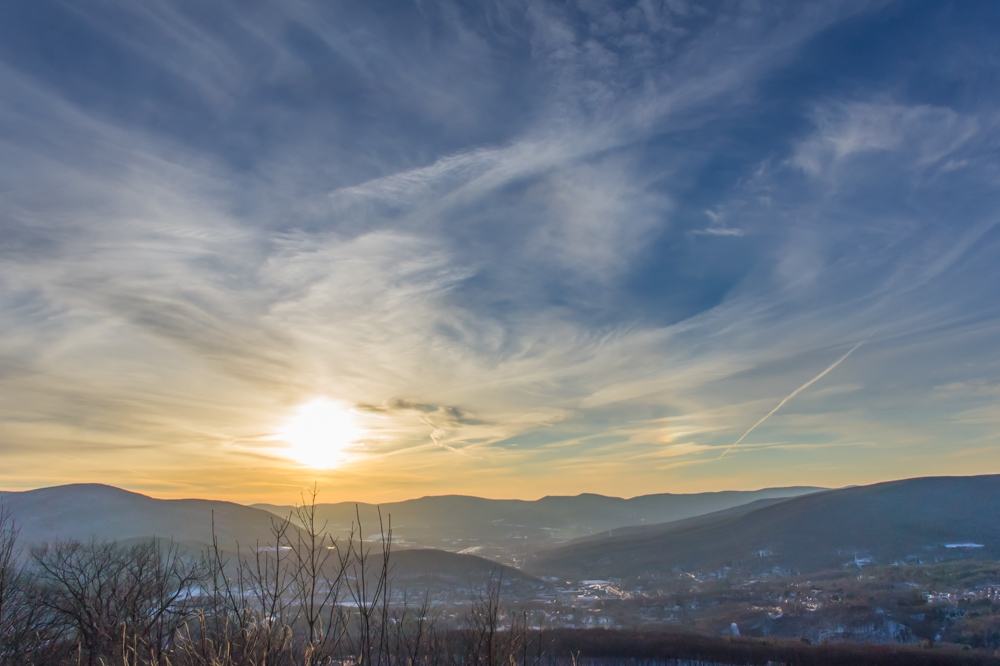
(486, 229)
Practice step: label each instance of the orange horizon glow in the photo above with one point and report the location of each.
(331, 491)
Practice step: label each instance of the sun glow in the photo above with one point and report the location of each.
(320, 434)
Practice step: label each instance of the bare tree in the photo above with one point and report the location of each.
(9, 570)
(484, 621)
(412, 627)
(368, 582)
(106, 595)
(270, 577)
(318, 579)
(24, 637)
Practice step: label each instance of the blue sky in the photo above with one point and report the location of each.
(529, 247)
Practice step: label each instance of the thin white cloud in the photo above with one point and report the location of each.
(190, 299)
(718, 231)
(927, 134)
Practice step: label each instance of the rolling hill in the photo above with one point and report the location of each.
(475, 526)
(915, 520)
(438, 570)
(493, 527)
(92, 511)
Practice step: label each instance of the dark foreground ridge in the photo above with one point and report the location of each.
(598, 647)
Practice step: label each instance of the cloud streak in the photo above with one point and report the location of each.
(792, 395)
(485, 227)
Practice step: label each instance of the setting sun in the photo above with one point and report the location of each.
(319, 434)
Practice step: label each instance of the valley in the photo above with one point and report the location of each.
(901, 562)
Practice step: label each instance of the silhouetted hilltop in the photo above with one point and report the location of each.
(93, 511)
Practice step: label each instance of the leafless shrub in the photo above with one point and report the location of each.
(317, 580)
(24, 626)
(105, 595)
(495, 634)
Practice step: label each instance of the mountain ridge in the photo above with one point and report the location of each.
(508, 530)
(920, 519)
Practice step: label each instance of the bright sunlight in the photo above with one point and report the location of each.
(320, 433)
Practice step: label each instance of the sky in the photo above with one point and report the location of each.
(497, 247)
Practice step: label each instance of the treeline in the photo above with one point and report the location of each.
(634, 647)
(308, 599)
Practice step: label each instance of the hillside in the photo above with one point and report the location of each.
(441, 571)
(497, 528)
(639, 531)
(911, 520)
(86, 511)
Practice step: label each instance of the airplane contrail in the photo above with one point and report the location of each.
(792, 395)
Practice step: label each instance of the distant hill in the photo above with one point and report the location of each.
(91, 511)
(638, 531)
(484, 526)
(427, 568)
(85, 511)
(913, 520)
